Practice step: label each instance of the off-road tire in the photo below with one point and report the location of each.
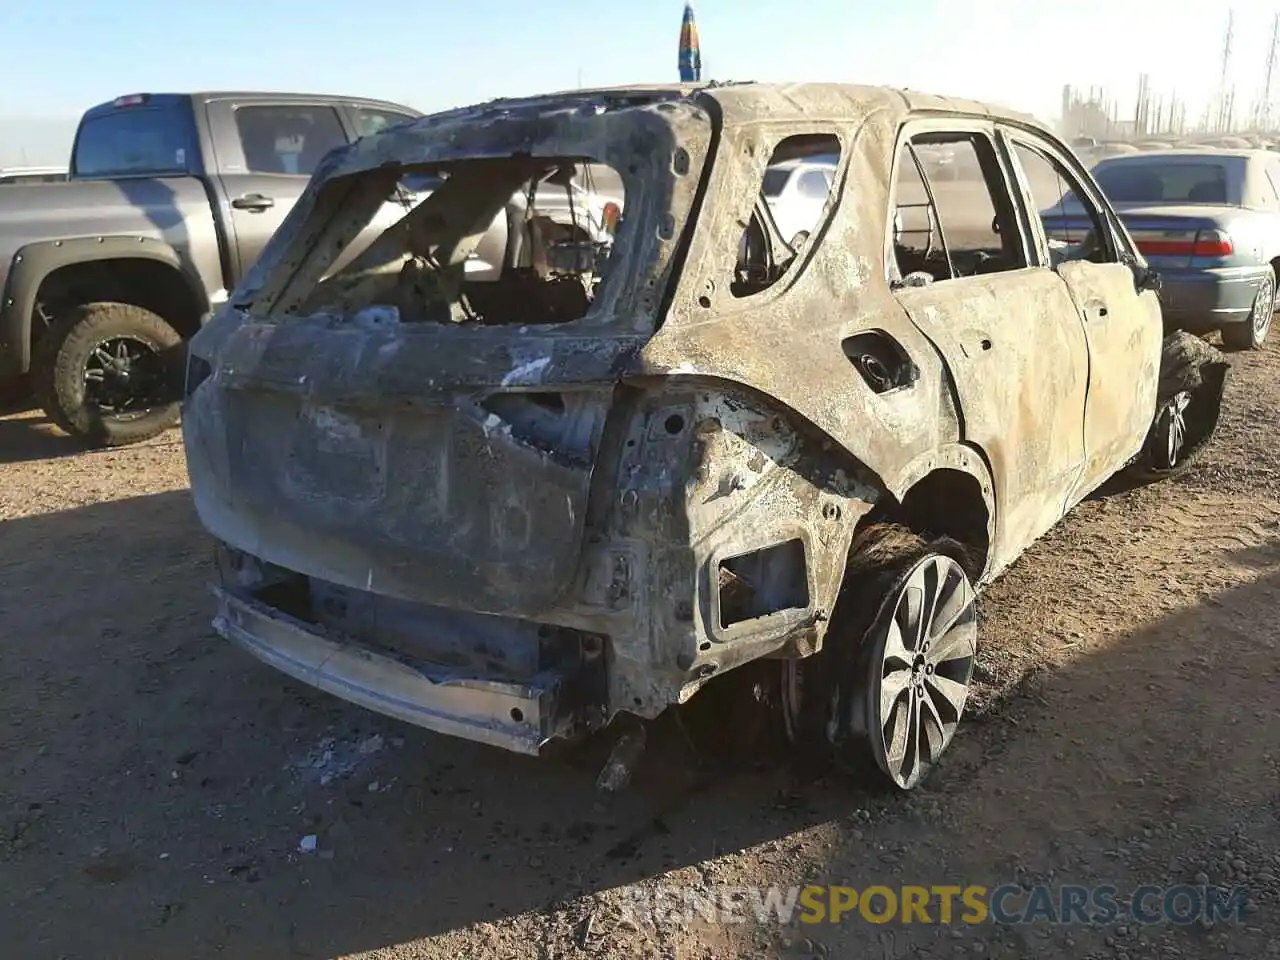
(58, 365)
(1247, 336)
(1187, 364)
(828, 734)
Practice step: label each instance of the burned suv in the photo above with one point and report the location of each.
(512, 510)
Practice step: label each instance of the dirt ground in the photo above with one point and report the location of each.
(155, 783)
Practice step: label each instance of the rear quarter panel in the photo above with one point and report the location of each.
(784, 342)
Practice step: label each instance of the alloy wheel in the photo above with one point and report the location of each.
(1264, 306)
(924, 642)
(121, 376)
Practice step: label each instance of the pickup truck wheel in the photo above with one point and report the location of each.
(890, 685)
(1188, 405)
(1252, 333)
(101, 373)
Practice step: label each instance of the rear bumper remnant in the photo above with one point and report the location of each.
(515, 716)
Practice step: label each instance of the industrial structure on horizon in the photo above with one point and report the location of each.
(1096, 113)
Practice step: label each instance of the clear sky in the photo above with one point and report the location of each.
(58, 58)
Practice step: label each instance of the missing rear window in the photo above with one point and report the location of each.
(487, 242)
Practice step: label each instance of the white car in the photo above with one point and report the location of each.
(796, 191)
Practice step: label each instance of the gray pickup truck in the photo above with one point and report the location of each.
(169, 200)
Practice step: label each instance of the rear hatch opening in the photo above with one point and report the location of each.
(484, 242)
(404, 405)
(428, 385)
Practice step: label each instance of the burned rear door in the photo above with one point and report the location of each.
(1007, 330)
(1122, 324)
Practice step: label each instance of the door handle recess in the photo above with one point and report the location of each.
(255, 202)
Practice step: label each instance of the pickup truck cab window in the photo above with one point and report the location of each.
(287, 139)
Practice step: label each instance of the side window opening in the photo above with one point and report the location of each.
(287, 139)
(1072, 225)
(786, 214)
(953, 216)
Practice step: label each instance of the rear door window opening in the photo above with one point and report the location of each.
(958, 226)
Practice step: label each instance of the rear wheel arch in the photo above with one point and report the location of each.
(155, 284)
(950, 496)
(135, 270)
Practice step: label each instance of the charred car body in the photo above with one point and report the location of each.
(511, 512)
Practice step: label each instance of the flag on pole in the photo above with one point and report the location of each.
(690, 50)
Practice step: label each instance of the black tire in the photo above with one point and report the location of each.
(1193, 376)
(1252, 333)
(830, 726)
(62, 356)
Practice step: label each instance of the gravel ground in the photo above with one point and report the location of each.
(164, 795)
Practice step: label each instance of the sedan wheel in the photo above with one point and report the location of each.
(921, 657)
(1264, 308)
(1252, 333)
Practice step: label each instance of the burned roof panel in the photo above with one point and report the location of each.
(587, 123)
(452, 133)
